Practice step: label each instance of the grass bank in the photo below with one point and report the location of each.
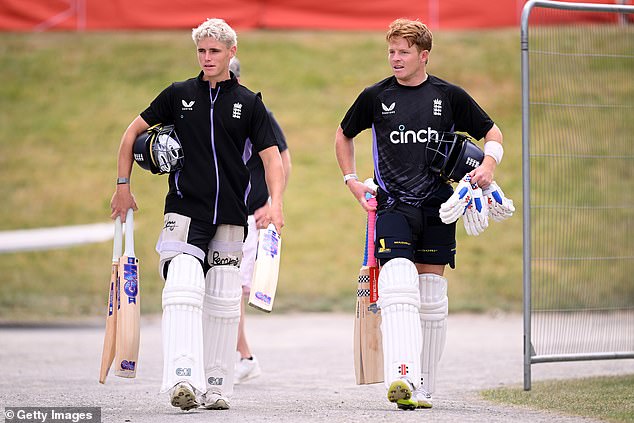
(68, 97)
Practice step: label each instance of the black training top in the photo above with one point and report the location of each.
(259, 194)
(401, 118)
(219, 130)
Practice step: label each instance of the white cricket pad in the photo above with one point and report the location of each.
(434, 308)
(182, 323)
(399, 300)
(221, 315)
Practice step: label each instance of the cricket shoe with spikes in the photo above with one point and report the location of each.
(182, 396)
(214, 400)
(400, 392)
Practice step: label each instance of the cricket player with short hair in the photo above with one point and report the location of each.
(413, 246)
(220, 124)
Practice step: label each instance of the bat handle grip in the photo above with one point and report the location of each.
(118, 239)
(371, 232)
(129, 233)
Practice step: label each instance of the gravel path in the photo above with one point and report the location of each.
(307, 375)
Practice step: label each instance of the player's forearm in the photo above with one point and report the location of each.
(344, 149)
(125, 158)
(493, 150)
(494, 134)
(275, 182)
(286, 164)
(122, 200)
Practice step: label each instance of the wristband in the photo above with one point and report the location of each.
(121, 181)
(349, 176)
(494, 149)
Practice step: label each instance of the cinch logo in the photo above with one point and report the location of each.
(437, 107)
(237, 110)
(388, 110)
(404, 137)
(186, 105)
(472, 162)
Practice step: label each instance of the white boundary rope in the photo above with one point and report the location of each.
(56, 237)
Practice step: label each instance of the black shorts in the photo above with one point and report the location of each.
(416, 233)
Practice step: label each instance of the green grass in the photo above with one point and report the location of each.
(605, 398)
(67, 97)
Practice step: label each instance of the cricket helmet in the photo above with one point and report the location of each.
(159, 150)
(452, 155)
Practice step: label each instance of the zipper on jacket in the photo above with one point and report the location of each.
(213, 149)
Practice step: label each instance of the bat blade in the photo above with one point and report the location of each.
(109, 340)
(266, 270)
(359, 323)
(129, 312)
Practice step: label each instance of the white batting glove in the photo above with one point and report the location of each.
(500, 207)
(476, 216)
(455, 206)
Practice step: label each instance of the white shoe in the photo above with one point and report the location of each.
(214, 400)
(247, 369)
(423, 398)
(182, 396)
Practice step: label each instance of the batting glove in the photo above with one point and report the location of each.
(500, 207)
(476, 216)
(455, 206)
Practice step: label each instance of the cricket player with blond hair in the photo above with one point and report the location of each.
(220, 124)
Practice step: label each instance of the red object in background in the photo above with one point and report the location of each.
(103, 15)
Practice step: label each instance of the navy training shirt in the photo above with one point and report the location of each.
(402, 118)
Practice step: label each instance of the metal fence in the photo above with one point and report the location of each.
(578, 183)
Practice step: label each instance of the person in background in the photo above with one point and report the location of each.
(248, 366)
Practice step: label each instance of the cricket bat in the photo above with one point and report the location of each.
(368, 351)
(128, 310)
(266, 269)
(109, 339)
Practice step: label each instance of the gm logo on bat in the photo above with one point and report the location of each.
(131, 285)
(271, 243)
(263, 297)
(128, 365)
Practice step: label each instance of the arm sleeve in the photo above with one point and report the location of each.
(468, 115)
(161, 108)
(359, 116)
(261, 132)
